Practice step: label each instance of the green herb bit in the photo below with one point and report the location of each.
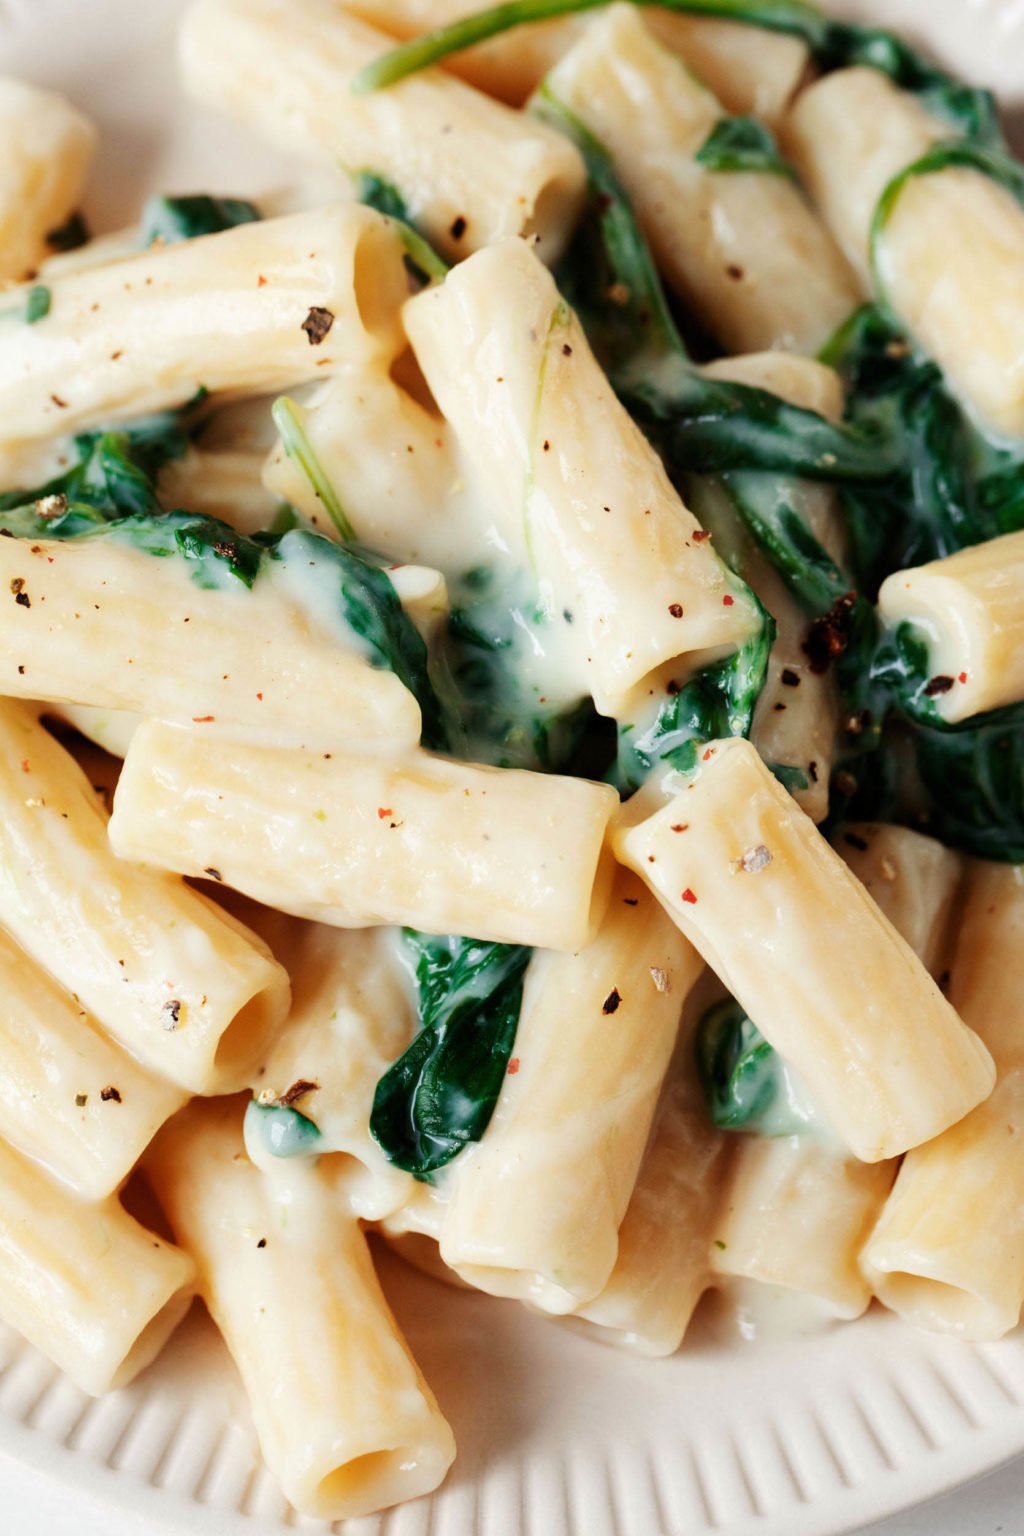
(739, 1071)
(743, 144)
(282, 1131)
(169, 220)
(37, 303)
(289, 419)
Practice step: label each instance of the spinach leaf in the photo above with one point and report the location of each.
(717, 701)
(832, 44)
(115, 470)
(377, 192)
(441, 1092)
(743, 144)
(172, 219)
(739, 1071)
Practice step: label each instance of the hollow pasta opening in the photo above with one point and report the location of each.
(940, 1305)
(151, 1340)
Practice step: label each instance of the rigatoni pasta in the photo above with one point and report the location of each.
(468, 170)
(742, 247)
(288, 1279)
(47, 147)
(356, 841)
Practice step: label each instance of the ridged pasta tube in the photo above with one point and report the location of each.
(345, 1420)
(175, 980)
(749, 69)
(69, 1096)
(969, 609)
(85, 1283)
(469, 170)
(351, 1017)
(663, 1266)
(848, 135)
(355, 841)
(222, 312)
(46, 147)
(950, 253)
(758, 891)
(104, 621)
(744, 249)
(799, 1209)
(576, 489)
(948, 1250)
(595, 1036)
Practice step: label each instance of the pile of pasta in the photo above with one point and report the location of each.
(559, 795)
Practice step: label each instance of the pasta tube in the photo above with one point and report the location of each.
(577, 492)
(70, 1097)
(46, 147)
(799, 1209)
(797, 1214)
(594, 1040)
(948, 1250)
(86, 1284)
(756, 889)
(913, 880)
(260, 307)
(227, 484)
(950, 252)
(351, 1018)
(969, 609)
(749, 69)
(105, 621)
(411, 496)
(662, 1268)
(848, 135)
(178, 983)
(355, 841)
(469, 171)
(743, 248)
(797, 715)
(345, 1420)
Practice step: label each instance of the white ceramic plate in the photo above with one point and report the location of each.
(557, 1436)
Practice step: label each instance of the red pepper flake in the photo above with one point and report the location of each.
(707, 755)
(940, 684)
(25, 768)
(261, 281)
(513, 1066)
(676, 610)
(260, 697)
(963, 677)
(689, 896)
(681, 826)
(566, 350)
(110, 1093)
(316, 324)
(384, 811)
(699, 535)
(728, 601)
(612, 1001)
(202, 719)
